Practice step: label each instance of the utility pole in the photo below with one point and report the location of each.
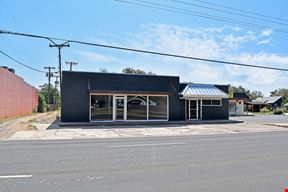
(49, 75)
(56, 84)
(59, 47)
(71, 63)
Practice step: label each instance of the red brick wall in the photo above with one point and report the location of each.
(16, 96)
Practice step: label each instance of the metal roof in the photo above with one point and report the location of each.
(267, 100)
(203, 90)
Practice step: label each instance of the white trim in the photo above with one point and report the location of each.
(147, 108)
(204, 97)
(167, 118)
(125, 108)
(197, 109)
(89, 107)
(201, 109)
(115, 97)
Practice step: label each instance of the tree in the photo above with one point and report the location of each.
(240, 89)
(54, 95)
(256, 94)
(42, 105)
(102, 70)
(280, 92)
(130, 70)
(232, 89)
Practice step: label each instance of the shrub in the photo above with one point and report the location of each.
(264, 110)
(42, 105)
(278, 112)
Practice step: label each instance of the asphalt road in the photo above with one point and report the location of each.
(238, 162)
(259, 118)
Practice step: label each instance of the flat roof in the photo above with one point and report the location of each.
(111, 73)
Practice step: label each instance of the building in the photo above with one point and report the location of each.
(237, 104)
(16, 96)
(111, 97)
(272, 103)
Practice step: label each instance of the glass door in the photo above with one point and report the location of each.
(193, 109)
(119, 109)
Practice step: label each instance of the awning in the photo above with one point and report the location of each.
(193, 90)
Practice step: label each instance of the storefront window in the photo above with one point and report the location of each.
(136, 107)
(101, 107)
(157, 107)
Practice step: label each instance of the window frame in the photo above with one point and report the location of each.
(211, 105)
(125, 111)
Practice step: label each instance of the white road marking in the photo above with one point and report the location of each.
(14, 176)
(147, 144)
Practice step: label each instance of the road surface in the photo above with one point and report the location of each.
(238, 162)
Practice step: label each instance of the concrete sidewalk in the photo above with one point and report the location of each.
(87, 132)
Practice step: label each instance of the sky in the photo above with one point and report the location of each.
(116, 23)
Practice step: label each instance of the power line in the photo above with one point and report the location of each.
(230, 12)
(241, 10)
(12, 15)
(3, 53)
(151, 52)
(199, 14)
(71, 63)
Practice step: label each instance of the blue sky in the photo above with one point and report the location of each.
(112, 22)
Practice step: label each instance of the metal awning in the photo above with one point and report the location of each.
(202, 91)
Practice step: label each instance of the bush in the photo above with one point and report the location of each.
(278, 112)
(264, 110)
(42, 105)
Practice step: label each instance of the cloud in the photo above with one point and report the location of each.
(221, 43)
(266, 32)
(265, 41)
(96, 57)
(258, 76)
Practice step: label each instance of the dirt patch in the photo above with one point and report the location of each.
(27, 123)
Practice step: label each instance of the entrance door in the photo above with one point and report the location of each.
(119, 109)
(193, 109)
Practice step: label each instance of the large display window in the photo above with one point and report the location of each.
(128, 107)
(101, 107)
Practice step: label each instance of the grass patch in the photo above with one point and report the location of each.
(32, 127)
(31, 120)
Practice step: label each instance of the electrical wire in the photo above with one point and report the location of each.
(199, 14)
(146, 52)
(241, 10)
(5, 54)
(230, 12)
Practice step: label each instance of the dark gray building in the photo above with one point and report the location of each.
(111, 97)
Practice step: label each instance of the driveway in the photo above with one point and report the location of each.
(263, 119)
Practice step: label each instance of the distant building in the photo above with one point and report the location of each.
(272, 103)
(237, 105)
(16, 96)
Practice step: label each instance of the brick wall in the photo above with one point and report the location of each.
(16, 96)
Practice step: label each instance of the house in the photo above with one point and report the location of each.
(237, 104)
(112, 97)
(272, 103)
(16, 96)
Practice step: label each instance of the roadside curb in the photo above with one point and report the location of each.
(276, 125)
(157, 123)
